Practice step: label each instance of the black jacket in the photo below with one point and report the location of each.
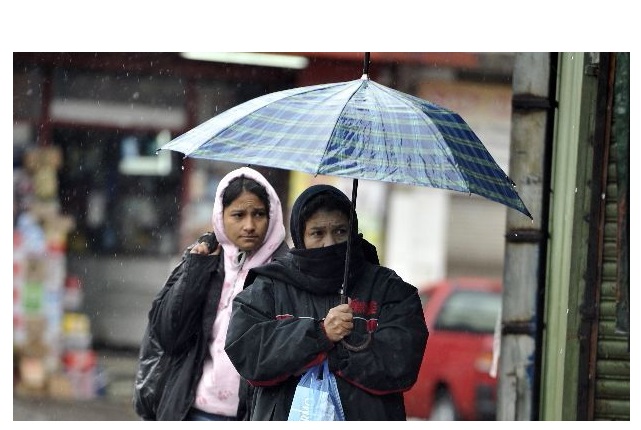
(175, 342)
(275, 333)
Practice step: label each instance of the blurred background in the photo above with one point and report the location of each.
(100, 219)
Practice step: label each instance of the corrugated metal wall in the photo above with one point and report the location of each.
(612, 372)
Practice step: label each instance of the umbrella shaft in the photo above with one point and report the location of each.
(351, 234)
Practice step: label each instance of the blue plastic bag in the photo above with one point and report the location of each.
(316, 397)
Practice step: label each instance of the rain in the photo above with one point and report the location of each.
(101, 216)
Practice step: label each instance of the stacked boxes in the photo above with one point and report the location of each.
(52, 337)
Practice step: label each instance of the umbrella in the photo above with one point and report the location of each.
(357, 129)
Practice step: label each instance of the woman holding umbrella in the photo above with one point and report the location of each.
(184, 374)
(289, 317)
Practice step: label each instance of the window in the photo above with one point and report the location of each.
(470, 311)
(124, 198)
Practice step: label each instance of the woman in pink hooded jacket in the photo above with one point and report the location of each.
(184, 372)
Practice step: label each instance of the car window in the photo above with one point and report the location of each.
(470, 311)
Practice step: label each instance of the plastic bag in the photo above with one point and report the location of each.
(316, 397)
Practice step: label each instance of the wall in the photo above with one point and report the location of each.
(118, 293)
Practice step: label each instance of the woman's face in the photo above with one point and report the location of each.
(246, 221)
(325, 228)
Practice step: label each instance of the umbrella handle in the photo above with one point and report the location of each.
(360, 347)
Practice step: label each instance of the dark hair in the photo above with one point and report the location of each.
(242, 183)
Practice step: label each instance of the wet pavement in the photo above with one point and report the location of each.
(112, 405)
(101, 409)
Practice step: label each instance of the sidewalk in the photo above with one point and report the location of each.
(114, 405)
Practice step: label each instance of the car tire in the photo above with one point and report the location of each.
(443, 408)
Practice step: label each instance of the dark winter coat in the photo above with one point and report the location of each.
(179, 335)
(171, 359)
(173, 365)
(276, 333)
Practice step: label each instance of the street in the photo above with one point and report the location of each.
(101, 409)
(114, 405)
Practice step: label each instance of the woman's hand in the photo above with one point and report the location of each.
(203, 249)
(339, 322)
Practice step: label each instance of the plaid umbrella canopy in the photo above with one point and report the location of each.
(357, 129)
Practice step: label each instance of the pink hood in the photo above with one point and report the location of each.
(275, 231)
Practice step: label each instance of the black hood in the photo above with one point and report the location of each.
(297, 224)
(318, 270)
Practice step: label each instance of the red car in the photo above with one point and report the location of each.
(454, 381)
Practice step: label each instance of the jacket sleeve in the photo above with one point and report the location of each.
(265, 348)
(176, 313)
(392, 360)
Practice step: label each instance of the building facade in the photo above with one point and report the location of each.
(565, 332)
(133, 210)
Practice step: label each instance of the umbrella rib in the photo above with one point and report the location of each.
(358, 83)
(201, 133)
(357, 129)
(293, 93)
(494, 176)
(453, 154)
(404, 99)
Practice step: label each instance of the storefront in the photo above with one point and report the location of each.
(123, 213)
(99, 217)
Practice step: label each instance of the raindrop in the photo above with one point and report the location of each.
(576, 190)
(602, 196)
(182, 167)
